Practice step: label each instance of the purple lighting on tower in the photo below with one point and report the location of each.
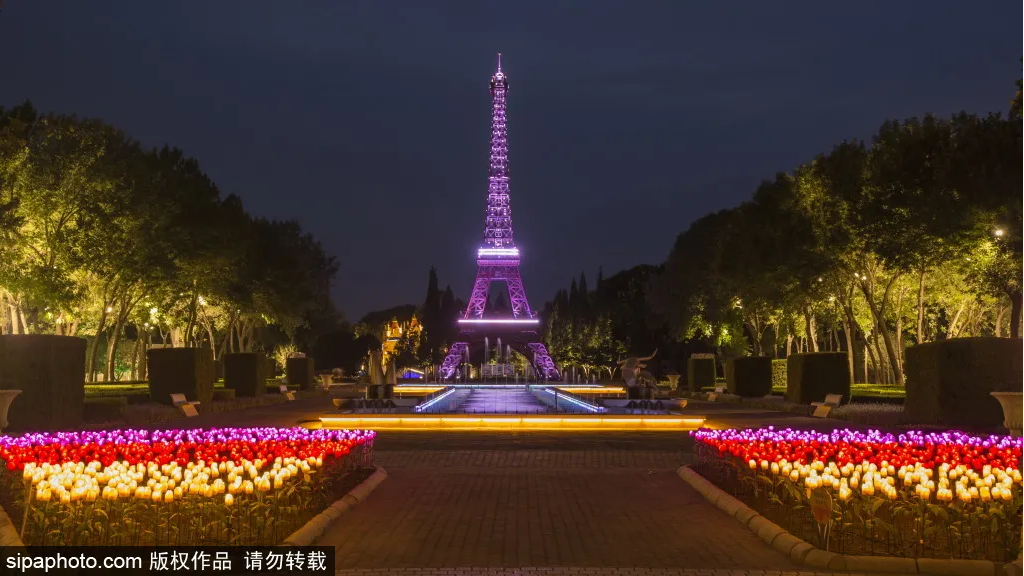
(498, 257)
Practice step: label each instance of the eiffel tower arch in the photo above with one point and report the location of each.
(498, 261)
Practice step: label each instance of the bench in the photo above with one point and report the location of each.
(188, 408)
(821, 409)
(719, 390)
(287, 393)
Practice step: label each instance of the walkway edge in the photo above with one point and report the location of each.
(803, 553)
(316, 527)
(8, 532)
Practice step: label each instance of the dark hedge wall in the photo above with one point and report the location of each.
(50, 372)
(700, 373)
(188, 371)
(245, 373)
(299, 372)
(812, 376)
(948, 381)
(749, 376)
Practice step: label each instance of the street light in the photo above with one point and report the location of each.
(998, 232)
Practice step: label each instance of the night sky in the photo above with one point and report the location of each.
(369, 121)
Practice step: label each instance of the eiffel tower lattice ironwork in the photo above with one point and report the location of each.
(498, 261)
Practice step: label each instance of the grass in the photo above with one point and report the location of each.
(875, 390)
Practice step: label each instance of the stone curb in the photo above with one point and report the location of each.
(803, 553)
(8, 532)
(315, 528)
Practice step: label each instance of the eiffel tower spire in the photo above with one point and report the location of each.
(498, 223)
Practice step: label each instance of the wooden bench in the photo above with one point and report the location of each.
(287, 393)
(188, 408)
(822, 409)
(719, 390)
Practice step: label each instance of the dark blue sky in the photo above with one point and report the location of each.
(369, 121)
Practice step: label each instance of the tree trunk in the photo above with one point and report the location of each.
(115, 338)
(921, 336)
(144, 359)
(135, 360)
(848, 323)
(94, 347)
(876, 370)
(954, 325)
(789, 344)
(812, 340)
(998, 325)
(775, 342)
(213, 342)
(878, 311)
(1015, 305)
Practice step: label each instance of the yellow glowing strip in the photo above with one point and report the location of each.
(611, 423)
(609, 390)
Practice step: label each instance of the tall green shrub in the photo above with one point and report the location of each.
(949, 381)
(779, 373)
(187, 371)
(700, 373)
(245, 373)
(50, 372)
(812, 376)
(299, 372)
(749, 376)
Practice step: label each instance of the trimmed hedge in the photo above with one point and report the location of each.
(948, 381)
(299, 372)
(812, 376)
(50, 372)
(223, 394)
(187, 371)
(749, 376)
(105, 408)
(779, 372)
(700, 373)
(245, 374)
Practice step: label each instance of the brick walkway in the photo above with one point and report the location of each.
(501, 508)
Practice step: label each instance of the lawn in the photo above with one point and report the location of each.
(864, 390)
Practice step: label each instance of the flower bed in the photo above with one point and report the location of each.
(941, 495)
(221, 486)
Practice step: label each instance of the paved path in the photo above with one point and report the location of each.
(538, 503)
(492, 503)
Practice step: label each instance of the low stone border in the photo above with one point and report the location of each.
(315, 528)
(803, 553)
(8, 531)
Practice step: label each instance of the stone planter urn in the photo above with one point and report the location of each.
(673, 381)
(1012, 410)
(6, 397)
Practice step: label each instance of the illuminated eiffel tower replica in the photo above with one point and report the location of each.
(498, 261)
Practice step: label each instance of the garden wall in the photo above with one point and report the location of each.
(188, 371)
(813, 375)
(50, 371)
(948, 381)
